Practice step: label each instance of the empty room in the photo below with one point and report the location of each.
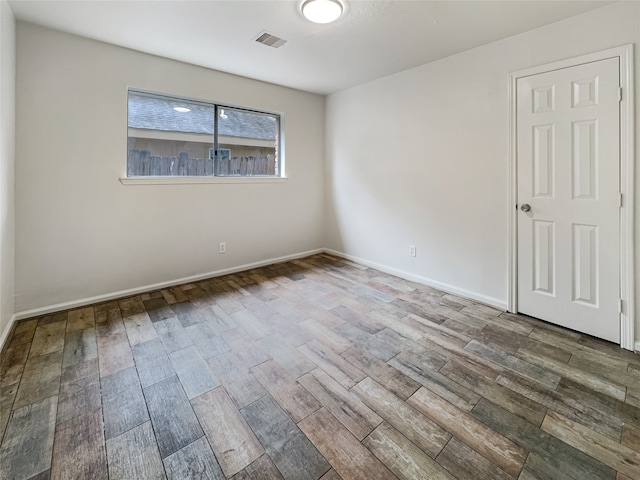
(319, 239)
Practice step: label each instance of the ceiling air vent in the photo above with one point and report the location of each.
(270, 40)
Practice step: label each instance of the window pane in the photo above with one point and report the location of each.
(169, 136)
(247, 143)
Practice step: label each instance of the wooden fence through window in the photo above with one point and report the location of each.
(142, 164)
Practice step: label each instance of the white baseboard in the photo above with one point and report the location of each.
(493, 302)
(5, 335)
(34, 312)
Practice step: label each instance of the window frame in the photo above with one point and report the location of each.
(205, 179)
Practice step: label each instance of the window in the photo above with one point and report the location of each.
(175, 137)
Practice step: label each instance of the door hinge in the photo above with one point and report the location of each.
(620, 200)
(619, 94)
(619, 305)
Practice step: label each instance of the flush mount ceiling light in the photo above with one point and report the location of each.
(182, 109)
(322, 11)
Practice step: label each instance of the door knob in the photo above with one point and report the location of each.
(525, 207)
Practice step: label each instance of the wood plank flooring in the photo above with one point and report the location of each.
(313, 369)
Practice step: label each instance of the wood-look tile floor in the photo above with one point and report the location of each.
(317, 368)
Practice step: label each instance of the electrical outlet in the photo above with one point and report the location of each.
(412, 250)
(223, 247)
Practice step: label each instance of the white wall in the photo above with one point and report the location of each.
(81, 233)
(7, 164)
(422, 157)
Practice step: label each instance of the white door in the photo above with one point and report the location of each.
(568, 173)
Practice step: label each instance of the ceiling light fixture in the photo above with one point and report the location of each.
(322, 11)
(182, 109)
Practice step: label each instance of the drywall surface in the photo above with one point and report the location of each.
(422, 157)
(7, 163)
(80, 233)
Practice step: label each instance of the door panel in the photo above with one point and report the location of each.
(543, 160)
(544, 276)
(585, 264)
(568, 172)
(584, 155)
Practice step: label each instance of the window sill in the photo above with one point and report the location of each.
(198, 180)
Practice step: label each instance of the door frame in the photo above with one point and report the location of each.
(627, 188)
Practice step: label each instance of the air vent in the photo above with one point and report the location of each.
(270, 40)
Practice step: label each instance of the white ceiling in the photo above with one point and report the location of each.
(373, 38)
